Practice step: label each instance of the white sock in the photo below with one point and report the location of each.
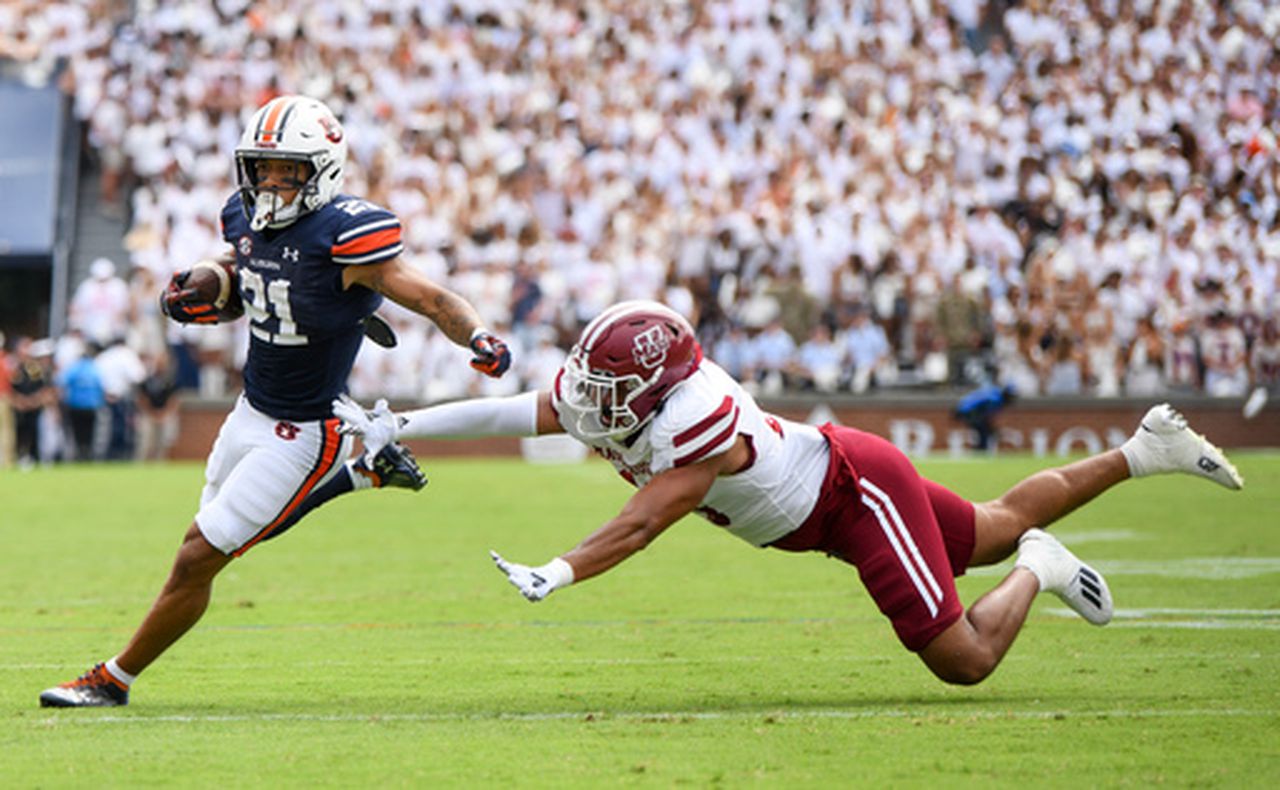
(1030, 566)
(119, 674)
(359, 482)
(1027, 560)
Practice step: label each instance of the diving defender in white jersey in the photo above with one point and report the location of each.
(313, 265)
(637, 390)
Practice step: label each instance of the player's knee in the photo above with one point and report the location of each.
(956, 657)
(964, 670)
(197, 562)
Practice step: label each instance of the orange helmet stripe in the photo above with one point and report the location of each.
(272, 125)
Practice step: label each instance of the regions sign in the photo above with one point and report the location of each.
(1046, 427)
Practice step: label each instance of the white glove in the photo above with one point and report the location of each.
(535, 583)
(377, 428)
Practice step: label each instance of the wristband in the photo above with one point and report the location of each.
(559, 573)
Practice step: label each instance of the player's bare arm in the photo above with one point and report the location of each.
(547, 422)
(459, 321)
(661, 502)
(405, 285)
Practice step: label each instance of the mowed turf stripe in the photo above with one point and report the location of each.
(474, 625)
(1241, 618)
(1207, 568)
(673, 716)
(877, 658)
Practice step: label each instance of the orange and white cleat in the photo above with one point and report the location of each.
(96, 688)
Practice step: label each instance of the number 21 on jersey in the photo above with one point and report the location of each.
(265, 299)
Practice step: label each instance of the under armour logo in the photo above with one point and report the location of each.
(287, 430)
(1206, 465)
(290, 254)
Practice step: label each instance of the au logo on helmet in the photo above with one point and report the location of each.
(649, 349)
(332, 129)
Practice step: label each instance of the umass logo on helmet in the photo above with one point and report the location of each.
(649, 348)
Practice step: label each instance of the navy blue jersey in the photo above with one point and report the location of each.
(304, 328)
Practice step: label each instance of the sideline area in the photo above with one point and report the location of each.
(921, 424)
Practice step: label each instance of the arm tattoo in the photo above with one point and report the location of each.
(454, 315)
(447, 310)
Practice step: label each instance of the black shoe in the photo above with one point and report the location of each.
(393, 466)
(94, 689)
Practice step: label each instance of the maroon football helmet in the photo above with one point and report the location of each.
(626, 361)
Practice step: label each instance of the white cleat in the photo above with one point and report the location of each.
(1063, 574)
(1164, 443)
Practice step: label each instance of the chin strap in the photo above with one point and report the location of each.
(264, 210)
(270, 212)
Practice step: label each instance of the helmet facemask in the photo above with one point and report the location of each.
(268, 207)
(603, 401)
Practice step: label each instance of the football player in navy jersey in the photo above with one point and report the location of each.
(637, 390)
(313, 264)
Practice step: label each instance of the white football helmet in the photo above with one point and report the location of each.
(296, 128)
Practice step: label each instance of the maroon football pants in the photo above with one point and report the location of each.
(908, 537)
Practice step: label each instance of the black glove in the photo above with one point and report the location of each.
(182, 304)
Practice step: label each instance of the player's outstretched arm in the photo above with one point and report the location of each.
(526, 414)
(405, 285)
(662, 501)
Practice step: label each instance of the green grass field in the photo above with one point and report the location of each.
(375, 644)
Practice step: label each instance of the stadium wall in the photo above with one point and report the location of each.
(918, 424)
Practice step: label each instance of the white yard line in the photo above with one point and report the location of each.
(1204, 619)
(949, 714)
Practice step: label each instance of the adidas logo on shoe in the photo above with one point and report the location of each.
(1090, 586)
(1062, 573)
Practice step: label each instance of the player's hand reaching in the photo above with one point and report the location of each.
(492, 357)
(376, 428)
(183, 304)
(535, 583)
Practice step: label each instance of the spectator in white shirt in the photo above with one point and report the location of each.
(866, 347)
(100, 307)
(1223, 353)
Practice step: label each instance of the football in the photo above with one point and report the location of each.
(217, 283)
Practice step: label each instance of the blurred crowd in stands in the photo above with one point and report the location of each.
(1066, 196)
(106, 389)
